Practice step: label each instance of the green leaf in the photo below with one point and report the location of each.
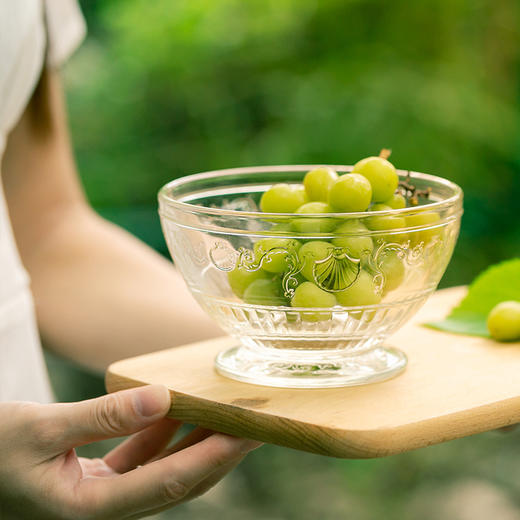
(496, 284)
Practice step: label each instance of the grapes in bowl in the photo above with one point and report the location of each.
(311, 267)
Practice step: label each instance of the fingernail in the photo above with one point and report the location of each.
(152, 400)
(250, 445)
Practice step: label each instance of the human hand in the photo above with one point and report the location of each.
(42, 477)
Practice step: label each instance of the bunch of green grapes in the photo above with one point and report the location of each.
(372, 185)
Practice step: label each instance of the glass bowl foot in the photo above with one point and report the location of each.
(310, 370)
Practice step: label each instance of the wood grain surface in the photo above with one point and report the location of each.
(454, 386)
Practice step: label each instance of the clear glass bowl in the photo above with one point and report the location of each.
(211, 223)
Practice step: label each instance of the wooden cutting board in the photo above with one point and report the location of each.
(454, 386)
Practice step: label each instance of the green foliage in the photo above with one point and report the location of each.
(163, 89)
(497, 284)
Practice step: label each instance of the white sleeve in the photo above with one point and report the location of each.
(66, 29)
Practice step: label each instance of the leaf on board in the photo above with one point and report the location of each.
(496, 284)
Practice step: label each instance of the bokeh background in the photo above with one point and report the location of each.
(172, 87)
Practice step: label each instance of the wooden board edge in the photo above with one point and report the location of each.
(392, 441)
(241, 421)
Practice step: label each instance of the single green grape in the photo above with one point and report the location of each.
(385, 223)
(392, 268)
(503, 321)
(314, 225)
(428, 218)
(240, 278)
(381, 175)
(283, 198)
(310, 295)
(311, 252)
(361, 292)
(314, 207)
(422, 219)
(275, 252)
(379, 207)
(317, 183)
(350, 192)
(359, 245)
(396, 201)
(281, 227)
(265, 292)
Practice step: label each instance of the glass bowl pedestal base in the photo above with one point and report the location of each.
(291, 368)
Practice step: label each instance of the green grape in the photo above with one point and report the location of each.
(281, 227)
(240, 278)
(311, 252)
(283, 198)
(379, 207)
(385, 223)
(314, 225)
(381, 174)
(396, 201)
(350, 192)
(503, 321)
(310, 295)
(275, 261)
(388, 223)
(422, 219)
(392, 268)
(428, 218)
(361, 292)
(265, 292)
(358, 245)
(314, 207)
(318, 182)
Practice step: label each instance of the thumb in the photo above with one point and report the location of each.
(113, 415)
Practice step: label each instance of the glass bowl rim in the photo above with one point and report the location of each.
(165, 196)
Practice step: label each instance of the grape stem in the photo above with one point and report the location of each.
(385, 153)
(410, 192)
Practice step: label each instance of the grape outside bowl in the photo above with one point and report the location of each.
(376, 269)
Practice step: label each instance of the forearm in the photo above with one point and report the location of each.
(102, 295)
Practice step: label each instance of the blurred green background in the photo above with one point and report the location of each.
(167, 88)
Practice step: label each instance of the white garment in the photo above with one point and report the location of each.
(31, 32)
